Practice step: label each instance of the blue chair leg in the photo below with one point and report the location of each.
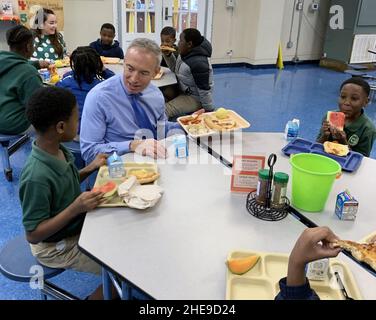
(107, 295)
(126, 291)
(6, 162)
(7, 151)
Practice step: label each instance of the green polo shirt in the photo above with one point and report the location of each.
(48, 186)
(360, 134)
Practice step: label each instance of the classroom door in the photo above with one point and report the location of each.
(146, 18)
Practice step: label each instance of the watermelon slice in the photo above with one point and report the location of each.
(336, 119)
(108, 189)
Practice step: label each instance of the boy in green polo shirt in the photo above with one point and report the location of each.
(359, 132)
(52, 203)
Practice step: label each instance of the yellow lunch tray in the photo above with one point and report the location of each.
(103, 177)
(262, 281)
(241, 123)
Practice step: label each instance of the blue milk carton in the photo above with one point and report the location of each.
(181, 148)
(45, 75)
(115, 166)
(346, 206)
(292, 129)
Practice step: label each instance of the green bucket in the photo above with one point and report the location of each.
(313, 176)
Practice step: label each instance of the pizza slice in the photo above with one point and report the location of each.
(365, 252)
(167, 48)
(144, 176)
(337, 149)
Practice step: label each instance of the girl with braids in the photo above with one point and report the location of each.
(48, 42)
(87, 72)
(18, 80)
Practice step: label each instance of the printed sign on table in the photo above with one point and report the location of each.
(245, 173)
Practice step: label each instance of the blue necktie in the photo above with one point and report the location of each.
(142, 119)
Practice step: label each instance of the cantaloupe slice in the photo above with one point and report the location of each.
(242, 265)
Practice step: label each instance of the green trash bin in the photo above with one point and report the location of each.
(313, 176)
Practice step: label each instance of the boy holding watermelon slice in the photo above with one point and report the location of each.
(52, 203)
(350, 126)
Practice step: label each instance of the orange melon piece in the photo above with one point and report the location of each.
(242, 265)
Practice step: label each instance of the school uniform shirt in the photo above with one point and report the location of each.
(44, 49)
(113, 51)
(109, 122)
(48, 186)
(18, 81)
(360, 134)
(81, 90)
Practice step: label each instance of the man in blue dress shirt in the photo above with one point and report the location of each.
(126, 113)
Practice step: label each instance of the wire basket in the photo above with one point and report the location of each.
(263, 212)
(266, 211)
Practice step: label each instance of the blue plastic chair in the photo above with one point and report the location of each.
(372, 94)
(355, 73)
(74, 147)
(6, 150)
(357, 67)
(18, 264)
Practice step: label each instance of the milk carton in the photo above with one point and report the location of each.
(115, 166)
(318, 270)
(346, 206)
(292, 129)
(181, 148)
(45, 75)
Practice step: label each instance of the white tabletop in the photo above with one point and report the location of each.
(167, 79)
(361, 183)
(178, 249)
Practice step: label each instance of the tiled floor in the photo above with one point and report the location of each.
(268, 98)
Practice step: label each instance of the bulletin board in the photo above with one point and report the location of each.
(27, 10)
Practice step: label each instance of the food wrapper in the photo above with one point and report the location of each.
(139, 196)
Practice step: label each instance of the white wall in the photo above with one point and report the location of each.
(313, 30)
(234, 30)
(268, 31)
(83, 19)
(255, 28)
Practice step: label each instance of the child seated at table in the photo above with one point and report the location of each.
(359, 132)
(168, 39)
(87, 72)
(106, 46)
(18, 80)
(313, 244)
(52, 203)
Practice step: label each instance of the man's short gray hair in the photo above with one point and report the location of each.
(148, 45)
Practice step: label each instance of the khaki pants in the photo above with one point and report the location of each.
(181, 105)
(64, 254)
